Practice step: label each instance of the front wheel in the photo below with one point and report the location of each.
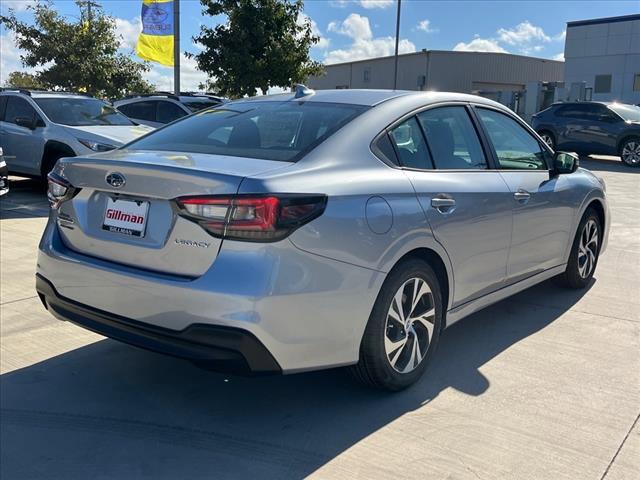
(584, 252)
(403, 329)
(630, 152)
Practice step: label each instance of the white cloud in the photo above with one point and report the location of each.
(561, 36)
(128, 30)
(323, 42)
(523, 33)
(559, 56)
(10, 57)
(479, 45)
(425, 26)
(364, 45)
(354, 26)
(190, 76)
(368, 4)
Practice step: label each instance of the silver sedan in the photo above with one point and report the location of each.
(312, 230)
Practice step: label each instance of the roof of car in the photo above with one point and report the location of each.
(582, 102)
(43, 93)
(368, 97)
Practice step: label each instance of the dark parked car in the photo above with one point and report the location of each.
(597, 128)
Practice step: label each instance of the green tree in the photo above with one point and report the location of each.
(78, 55)
(23, 80)
(262, 44)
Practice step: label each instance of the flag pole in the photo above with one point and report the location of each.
(176, 46)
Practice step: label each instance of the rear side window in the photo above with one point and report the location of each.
(140, 110)
(17, 107)
(281, 131)
(410, 145)
(168, 112)
(584, 112)
(452, 138)
(3, 107)
(515, 148)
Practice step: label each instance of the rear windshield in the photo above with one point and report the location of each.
(627, 112)
(281, 131)
(81, 111)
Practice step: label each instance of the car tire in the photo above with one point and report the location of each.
(583, 258)
(548, 138)
(630, 151)
(393, 354)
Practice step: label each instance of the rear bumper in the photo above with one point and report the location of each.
(219, 348)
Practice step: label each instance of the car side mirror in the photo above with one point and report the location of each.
(25, 122)
(565, 162)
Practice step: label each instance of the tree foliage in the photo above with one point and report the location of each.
(262, 44)
(79, 55)
(23, 80)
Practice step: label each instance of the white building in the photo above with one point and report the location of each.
(602, 59)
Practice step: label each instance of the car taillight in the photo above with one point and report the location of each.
(252, 218)
(59, 190)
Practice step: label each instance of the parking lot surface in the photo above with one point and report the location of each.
(545, 385)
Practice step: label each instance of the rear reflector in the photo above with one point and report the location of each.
(252, 218)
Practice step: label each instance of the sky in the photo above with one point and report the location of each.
(358, 29)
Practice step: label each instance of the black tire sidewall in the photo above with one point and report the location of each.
(372, 348)
(573, 278)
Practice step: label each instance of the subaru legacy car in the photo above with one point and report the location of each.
(592, 128)
(313, 230)
(37, 128)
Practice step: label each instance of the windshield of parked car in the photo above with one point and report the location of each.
(197, 105)
(81, 112)
(627, 112)
(270, 130)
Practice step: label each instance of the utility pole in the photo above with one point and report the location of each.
(176, 46)
(395, 69)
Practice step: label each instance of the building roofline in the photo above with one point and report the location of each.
(455, 52)
(599, 21)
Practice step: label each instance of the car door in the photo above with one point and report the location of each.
(543, 205)
(599, 134)
(23, 147)
(466, 204)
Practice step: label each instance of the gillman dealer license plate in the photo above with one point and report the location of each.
(127, 217)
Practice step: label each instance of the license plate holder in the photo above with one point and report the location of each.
(126, 217)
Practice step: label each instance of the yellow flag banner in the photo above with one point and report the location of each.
(155, 43)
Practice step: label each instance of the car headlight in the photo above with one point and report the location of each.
(96, 146)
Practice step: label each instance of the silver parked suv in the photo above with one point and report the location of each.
(37, 128)
(318, 229)
(158, 109)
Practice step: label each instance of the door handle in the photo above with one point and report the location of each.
(444, 205)
(522, 196)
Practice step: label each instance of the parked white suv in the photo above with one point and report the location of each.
(37, 128)
(159, 108)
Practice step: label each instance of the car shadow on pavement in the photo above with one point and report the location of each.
(112, 411)
(27, 198)
(608, 164)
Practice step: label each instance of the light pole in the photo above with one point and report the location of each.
(395, 69)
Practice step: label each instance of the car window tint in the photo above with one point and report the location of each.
(384, 148)
(516, 148)
(271, 130)
(140, 110)
(169, 111)
(585, 111)
(3, 106)
(410, 145)
(452, 139)
(18, 107)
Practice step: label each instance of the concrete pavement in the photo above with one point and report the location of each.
(545, 385)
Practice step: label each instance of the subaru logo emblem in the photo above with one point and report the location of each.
(116, 180)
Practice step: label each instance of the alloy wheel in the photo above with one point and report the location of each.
(631, 152)
(410, 325)
(588, 249)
